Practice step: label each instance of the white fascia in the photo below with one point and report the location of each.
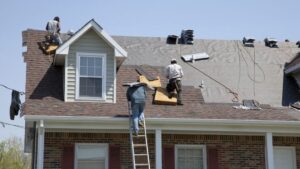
(171, 124)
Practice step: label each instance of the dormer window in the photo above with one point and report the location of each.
(90, 58)
(90, 78)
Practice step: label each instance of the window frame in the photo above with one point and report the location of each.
(194, 146)
(97, 55)
(105, 145)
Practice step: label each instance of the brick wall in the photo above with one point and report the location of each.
(54, 143)
(234, 152)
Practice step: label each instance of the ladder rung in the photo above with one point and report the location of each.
(139, 145)
(141, 164)
(140, 155)
(139, 136)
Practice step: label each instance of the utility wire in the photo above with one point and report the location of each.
(235, 95)
(14, 125)
(22, 93)
(259, 67)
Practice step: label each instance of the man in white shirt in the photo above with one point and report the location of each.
(174, 73)
(53, 29)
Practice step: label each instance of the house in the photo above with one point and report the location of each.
(76, 110)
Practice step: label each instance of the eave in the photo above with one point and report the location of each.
(170, 125)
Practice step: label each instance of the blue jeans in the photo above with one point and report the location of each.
(56, 39)
(137, 110)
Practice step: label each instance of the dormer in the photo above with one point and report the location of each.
(90, 58)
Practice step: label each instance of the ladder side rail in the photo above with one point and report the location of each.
(146, 142)
(131, 135)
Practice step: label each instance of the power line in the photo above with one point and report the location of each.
(235, 94)
(9, 124)
(11, 89)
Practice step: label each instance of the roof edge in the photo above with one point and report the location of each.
(231, 122)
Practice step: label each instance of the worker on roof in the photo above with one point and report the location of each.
(53, 28)
(174, 73)
(136, 96)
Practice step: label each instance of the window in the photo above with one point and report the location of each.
(91, 156)
(284, 157)
(90, 79)
(190, 156)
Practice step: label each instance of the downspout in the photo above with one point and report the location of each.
(33, 152)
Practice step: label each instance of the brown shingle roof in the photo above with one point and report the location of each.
(44, 94)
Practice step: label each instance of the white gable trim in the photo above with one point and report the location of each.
(92, 24)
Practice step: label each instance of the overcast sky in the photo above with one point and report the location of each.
(210, 19)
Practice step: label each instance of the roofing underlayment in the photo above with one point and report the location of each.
(229, 63)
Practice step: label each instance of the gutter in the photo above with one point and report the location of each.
(164, 121)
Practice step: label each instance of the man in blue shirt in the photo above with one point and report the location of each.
(136, 95)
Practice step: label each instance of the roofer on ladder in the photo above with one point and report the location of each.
(174, 73)
(136, 96)
(53, 29)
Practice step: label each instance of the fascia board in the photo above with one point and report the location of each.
(213, 125)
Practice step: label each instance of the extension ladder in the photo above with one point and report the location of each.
(139, 145)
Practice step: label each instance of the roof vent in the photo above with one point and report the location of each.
(248, 41)
(271, 42)
(172, 39)
(251, 104)
(187, 37)
(298, 43)
(194, 57)
(71, 32)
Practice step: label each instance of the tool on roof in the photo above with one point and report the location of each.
(248, 41)
(271, 42)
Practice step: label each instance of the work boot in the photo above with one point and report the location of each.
(135, 133)
(180, 103)
(141, 124)
(171, 94)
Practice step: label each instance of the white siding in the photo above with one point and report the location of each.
(90, 42)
